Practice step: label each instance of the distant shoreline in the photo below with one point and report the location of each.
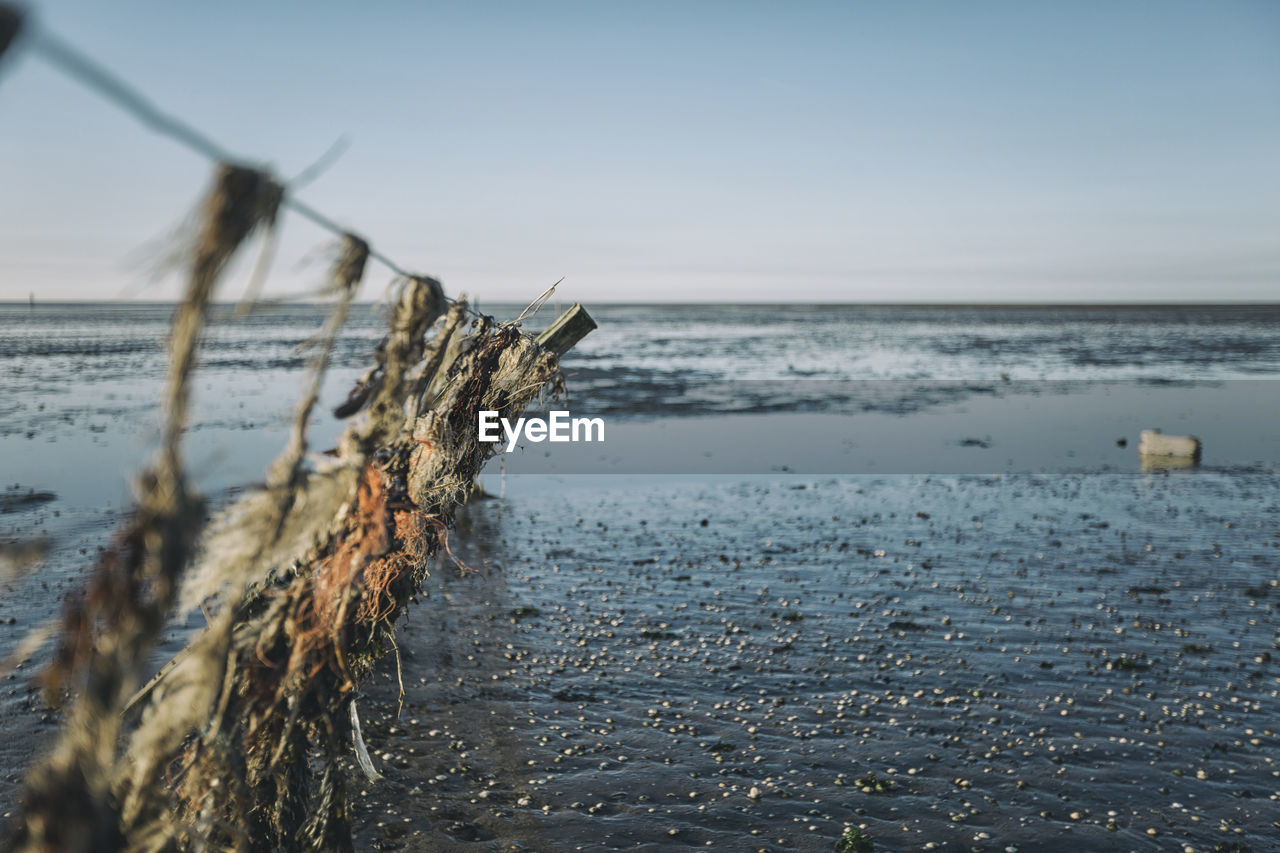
(286, 301)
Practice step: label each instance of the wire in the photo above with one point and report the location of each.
(89, 73)
(98, 78)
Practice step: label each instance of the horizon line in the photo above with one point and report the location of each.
(273, 303)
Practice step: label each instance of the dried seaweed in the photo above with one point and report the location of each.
(307, 641)
(240, 738)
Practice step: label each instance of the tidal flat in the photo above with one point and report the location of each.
(1084, 658)
(945, 663)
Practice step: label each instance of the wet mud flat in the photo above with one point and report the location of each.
(959, 663)
(65, 538)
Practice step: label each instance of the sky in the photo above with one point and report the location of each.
(673, 151)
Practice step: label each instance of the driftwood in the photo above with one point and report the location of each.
(239, 739)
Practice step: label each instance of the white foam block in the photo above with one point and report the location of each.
(1156, 443)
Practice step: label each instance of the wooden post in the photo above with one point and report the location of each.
(569, 328)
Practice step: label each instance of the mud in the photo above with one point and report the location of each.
(949, 663)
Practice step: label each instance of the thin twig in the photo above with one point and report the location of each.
(391, 635)
(320, 166)
(533, 306)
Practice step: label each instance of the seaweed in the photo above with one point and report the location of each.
(239, 740)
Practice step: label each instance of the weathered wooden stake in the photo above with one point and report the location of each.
(569, 328)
